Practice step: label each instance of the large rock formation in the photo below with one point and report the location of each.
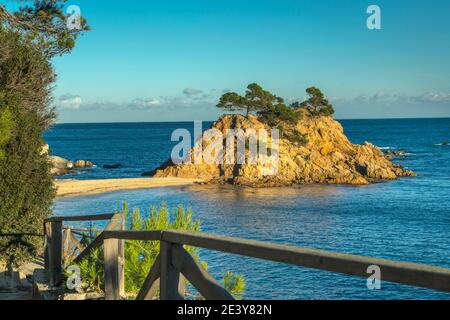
(327, 156)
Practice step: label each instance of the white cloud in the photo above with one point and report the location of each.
(382, 98)
(69, 101)
(192, 92)
(436, 97)
(144, 103)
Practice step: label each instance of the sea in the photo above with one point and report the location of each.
(406, 220)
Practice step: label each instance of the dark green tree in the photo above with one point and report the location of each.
(44, 23)
(29, 37)
(316, 103)
(256, 99)
(232, 102)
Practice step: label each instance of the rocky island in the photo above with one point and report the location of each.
(312, 148)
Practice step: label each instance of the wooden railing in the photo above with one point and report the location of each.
(174, 263)
(58, 237)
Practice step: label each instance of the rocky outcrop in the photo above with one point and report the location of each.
(326, 156)
(60, 166)
(83, 164)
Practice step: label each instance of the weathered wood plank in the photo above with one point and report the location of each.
(114, 261)
(206, 285)
(81, 230)
(170, 277)
(112, 276)
(55, 254)
(133, 235)
(121, 227)
(47, 243)
(115, 222)
(151, 284)
(92, 217)
(400, 272)
(66, 245)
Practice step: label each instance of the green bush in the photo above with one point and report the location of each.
(141, 255)
(296, 137)
(6, 126)
(26, 187)
(30, 35)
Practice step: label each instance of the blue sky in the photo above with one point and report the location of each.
(171, 60)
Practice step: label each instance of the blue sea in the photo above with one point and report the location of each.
(407, 219)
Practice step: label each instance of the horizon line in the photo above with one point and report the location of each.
(184, 121)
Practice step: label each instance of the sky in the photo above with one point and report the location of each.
(171, 60)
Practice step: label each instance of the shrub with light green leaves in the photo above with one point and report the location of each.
(141, 255)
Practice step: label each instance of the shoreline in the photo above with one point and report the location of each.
(73, 187)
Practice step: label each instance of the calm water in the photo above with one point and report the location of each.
(407, 219)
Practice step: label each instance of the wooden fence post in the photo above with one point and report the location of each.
(66, 246)
(54, 246)
(113, 273)
(122, 260)
(170, 277)
(47, 239)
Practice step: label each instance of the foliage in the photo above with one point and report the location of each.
(316, 103)
(44, 24)
(26, 187)
(6, 126)
(93, 272)
(272, 108)
(279, 113)
(29, 37)
(232, 102)
(234, 284)
(141, 255)
(296, 137)
(256, 99)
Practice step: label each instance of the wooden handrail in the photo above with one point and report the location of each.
(54, 247)
(174, 261)
(151, 235)
(401, 272)
(92, 217)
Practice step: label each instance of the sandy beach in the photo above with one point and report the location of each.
(67, 188)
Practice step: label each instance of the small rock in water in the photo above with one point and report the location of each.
(112, 166)
(83, 164)
(60, 166)
(399, 153)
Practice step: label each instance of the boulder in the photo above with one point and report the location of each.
(326, 156)
(83, 164)
(60, 166)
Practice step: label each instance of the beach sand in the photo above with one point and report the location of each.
(67, 188)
